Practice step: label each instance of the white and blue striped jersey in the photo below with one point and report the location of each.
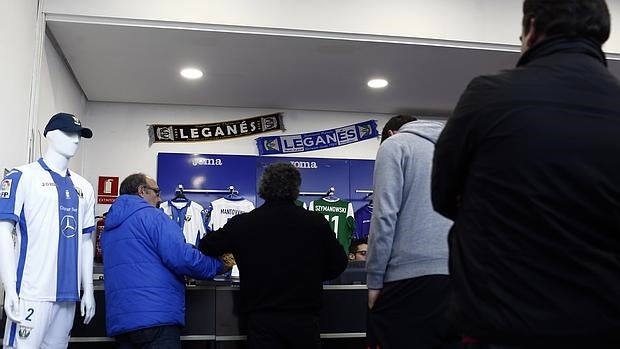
(50, 213)
(189, 216)
(223, 209)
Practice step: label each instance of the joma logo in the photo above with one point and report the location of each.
(207, 162)
(304, 164)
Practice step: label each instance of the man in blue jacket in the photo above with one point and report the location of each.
(145, 258)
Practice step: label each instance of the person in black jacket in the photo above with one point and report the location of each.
(282, 312)
(527, 167)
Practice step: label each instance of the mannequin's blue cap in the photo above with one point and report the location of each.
(67, 123)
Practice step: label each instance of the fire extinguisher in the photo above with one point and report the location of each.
(99, 230)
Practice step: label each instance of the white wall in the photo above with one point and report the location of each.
(489, 21)
(120, 146)
(17, 38)
(58, 92)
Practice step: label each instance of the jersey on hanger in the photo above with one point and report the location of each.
(50, 213)
(362, 222)
(189, 215)
(340, 216)
(223, 209)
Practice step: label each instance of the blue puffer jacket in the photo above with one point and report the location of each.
(145, 258)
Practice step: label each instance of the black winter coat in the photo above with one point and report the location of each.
(528, 167)
(284, 253)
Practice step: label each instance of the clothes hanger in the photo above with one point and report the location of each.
(369, 198)
(179, 196)
(233, 193)
(331, 195)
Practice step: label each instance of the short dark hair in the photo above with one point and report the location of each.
(573, 18)
(355, 243)
(280, 181)
(394, 124)
(131, 184)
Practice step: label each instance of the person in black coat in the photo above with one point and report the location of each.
(527, 167)
(281, 285)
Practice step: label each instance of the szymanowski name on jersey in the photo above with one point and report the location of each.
(330, 209)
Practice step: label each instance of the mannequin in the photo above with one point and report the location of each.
(22, 190)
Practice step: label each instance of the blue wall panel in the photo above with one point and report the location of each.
(206, 171)
(360, 181)
(215, 172)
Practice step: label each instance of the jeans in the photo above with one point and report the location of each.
(161, 337)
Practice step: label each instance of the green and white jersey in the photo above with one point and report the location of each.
(339, 214)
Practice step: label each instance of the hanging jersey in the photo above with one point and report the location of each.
(189, 216)
(362, 222)
(223, 209)
(340, 216)
(50, 213)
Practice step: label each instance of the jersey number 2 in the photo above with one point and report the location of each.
(30, 312)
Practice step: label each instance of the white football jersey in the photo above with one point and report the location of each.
(50, 213)
(189, 216)
(223, 209)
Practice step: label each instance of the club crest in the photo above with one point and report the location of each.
(24, 332)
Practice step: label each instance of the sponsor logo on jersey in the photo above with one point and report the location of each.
(79, 192)
(48, 184)
(304, 164)
(67, 196)
(207, 162)
(5, 189)
(24, 332)
(68, 226)
(188, 217)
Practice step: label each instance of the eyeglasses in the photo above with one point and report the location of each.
(363, 253)
(155, 190)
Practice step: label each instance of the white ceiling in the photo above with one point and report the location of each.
(117, 63)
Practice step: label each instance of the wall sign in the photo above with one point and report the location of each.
(107, 189)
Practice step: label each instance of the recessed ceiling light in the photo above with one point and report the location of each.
(377, 83)
(191, 73)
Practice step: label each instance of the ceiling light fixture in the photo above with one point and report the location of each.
(377, 83)
(191, 73)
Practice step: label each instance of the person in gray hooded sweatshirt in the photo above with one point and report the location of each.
(407, 262)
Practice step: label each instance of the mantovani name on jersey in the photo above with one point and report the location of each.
(330, 209)
(231, 211)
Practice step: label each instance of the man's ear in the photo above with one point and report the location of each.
(532, 36)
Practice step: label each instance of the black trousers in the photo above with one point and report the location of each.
(413, 314)
(161, 337)
(283, 331)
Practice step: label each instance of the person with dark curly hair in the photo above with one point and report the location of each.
(526, 167)
(282, 314)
